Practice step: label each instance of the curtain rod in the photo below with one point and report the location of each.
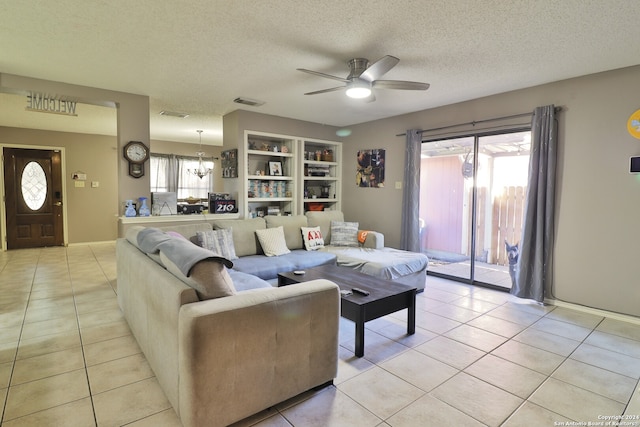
(473, 123)
(465, 132)
(557, 109)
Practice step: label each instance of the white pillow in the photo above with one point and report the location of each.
(344, 233)
(312, 237)
(272, 241)
(220, 242)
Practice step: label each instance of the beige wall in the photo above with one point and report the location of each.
(596, 251)
(91, 212)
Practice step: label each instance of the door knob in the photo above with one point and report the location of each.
(58, 203)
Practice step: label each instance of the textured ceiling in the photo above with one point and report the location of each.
(196, 57)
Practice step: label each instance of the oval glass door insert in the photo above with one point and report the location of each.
(34, 185)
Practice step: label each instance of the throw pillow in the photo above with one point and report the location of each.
(312, 237)
(362, 236)
(344, 233)
(219, 242)
(272, 241)
(208, 277)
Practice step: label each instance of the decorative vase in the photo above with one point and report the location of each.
(130, 211)
(144, 209)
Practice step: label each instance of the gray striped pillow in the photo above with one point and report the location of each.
(219, 242)
(344, 233)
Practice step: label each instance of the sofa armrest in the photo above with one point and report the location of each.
(239, 355)
(374, 240)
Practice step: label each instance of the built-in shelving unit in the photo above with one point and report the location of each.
(290, 175)
(270, 184)
(320, 176)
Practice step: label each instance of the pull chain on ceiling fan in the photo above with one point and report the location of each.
(363, 78)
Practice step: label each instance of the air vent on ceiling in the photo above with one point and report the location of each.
(247, 101)
(173, 114)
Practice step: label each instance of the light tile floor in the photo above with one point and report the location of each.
(479, 357)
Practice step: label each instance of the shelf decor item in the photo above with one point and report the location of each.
(275, 168)
(327, 156)
(144, 209)
(130, 211)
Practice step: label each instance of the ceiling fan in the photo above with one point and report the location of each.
(364, 77)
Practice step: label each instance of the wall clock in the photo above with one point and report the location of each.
(136, 153)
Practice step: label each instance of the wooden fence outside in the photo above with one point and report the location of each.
(506, 223)
(508, 214)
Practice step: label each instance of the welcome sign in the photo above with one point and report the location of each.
(47, 104)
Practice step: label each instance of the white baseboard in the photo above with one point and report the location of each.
(92, 243)
(604, 313)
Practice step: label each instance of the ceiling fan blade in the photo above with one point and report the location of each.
(328, 76)
(325, 90)
(399, 84)
(379, 68)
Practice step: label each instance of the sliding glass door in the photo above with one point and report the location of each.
(471, 205)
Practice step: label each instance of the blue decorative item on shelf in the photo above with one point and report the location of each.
(144, 209)
(130, 211)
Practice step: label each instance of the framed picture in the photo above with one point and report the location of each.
(230, 163)
(275, 168)
(370, 168)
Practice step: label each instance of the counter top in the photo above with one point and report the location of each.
(175, 218)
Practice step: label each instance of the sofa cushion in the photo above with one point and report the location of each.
(219, 242)
(291, 226)
(267, 268)
(312, 237)
(208, 277)
(323, 220)
(385, 263)
(245, 240)
(272, 241)
(344, 233)
(246, 282)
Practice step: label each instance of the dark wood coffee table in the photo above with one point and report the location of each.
(385, 297)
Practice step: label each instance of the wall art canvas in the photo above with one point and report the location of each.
(370, 168)
(230, 163)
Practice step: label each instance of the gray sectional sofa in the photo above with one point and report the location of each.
(370, 257)
(200, 325)
(221, 360)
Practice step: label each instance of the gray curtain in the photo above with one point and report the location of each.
(410, 231)
(173, 174)
(533, 271)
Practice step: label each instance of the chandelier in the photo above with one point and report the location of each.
(202, 171)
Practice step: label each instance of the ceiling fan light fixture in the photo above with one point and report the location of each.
(358, 89)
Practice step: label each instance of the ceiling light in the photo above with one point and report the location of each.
(202, 171)
(358, 89)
